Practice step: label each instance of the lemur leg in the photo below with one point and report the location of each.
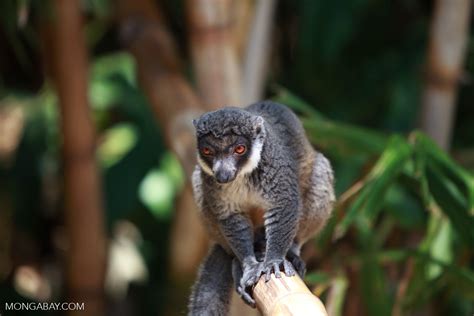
(293, 256)
(281, 221)
(238, 232)
(211, 292)
(237, 274)
(318, 200)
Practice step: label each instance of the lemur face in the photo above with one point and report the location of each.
(229, 143)
(223, 157)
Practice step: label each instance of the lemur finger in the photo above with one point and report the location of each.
(250, 282)
(248, 299)
(288, 269)
(240, 290)
(276, 269)
(268, 273)
(245, 296)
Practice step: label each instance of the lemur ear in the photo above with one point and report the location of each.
(258, 125)
(195, 121)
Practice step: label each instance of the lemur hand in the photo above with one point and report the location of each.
(251, 274)
(277, 265)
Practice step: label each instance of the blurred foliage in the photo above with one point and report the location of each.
(403, 231)
(432, 198)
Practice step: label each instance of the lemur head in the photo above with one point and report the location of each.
(230, 142)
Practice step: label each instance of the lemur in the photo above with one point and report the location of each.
(262, 192)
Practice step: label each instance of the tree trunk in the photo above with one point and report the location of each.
(213, 50)
(446, 52)
(86, 255)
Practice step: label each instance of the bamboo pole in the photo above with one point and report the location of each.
(287, 296)
(446, 52)
(257, 52)
(213, 50)
(86, 255)
(175, 104)
(243, 16)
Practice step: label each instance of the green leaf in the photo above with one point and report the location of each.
(118, 141)
(462, 180)
(284, 96)
(405, 207)
(330, 135)
(374, 284)
(337, 295)
(343, 138)
(451, 201)
(369, 201)
(450, 186)
(458, 275)
(317, 277)
(441, 249)
(157, 193)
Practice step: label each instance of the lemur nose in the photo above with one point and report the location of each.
(224, 176)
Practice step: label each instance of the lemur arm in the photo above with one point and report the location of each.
(281, 224)
(238, 232)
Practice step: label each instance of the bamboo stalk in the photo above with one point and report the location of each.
(257, 52)
(86, 258)
(159, 74)
(244, 14)
(12, 121)
(213, 50)
(287, 296)
(175, 105)
(446, 53)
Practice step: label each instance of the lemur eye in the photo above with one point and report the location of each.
(240, 149)
(206, 151)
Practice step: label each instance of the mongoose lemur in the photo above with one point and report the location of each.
(262, 191)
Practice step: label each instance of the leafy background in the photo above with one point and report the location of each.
(402, 237)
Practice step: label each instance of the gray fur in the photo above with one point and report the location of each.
(286, 181)
(210, 298)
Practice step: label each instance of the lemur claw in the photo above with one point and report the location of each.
(246, 296)
(276, 266)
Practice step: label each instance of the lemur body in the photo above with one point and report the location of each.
(258, 181)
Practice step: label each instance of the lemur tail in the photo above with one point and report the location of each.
(211, 292)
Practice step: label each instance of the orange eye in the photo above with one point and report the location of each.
(240, 149)
(206, 151)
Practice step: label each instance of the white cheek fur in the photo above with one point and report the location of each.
(254, 158)
(204, 166)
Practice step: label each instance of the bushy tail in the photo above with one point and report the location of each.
(211, 292)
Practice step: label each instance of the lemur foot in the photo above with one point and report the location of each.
(248, 278)
(246, 297)
(297, 263)
(276, 266)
